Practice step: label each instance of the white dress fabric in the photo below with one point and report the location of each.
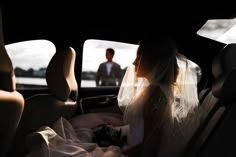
(62, 141)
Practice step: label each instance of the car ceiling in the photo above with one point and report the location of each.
(72, 24)
(115, 21)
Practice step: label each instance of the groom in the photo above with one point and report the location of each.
(109, 73)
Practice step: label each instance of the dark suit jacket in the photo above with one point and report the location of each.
(115, 77)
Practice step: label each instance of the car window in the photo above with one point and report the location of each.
(221, 30)
(94, 53)
(30, 60)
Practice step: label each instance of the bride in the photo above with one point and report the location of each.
(158, 95)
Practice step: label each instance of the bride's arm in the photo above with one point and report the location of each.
(132, 151)
(128, 149)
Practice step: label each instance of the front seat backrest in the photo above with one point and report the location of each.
(46, 109)
(11, 102)
(60, 75)
(223, 69)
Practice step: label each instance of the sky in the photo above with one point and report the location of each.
(31, 54)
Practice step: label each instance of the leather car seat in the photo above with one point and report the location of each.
(11, 101)
(45, 109)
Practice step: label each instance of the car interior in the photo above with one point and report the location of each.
(49, 56)
(12, 102)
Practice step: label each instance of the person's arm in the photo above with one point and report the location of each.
(98, 75)
(132, 151)
(129, 150)
(119, 75)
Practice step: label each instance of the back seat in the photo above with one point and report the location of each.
(217, 110)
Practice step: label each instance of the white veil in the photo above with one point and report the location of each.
(187, 98)
(130, 103)
(134, 93)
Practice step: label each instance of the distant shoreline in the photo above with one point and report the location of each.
(42, 81)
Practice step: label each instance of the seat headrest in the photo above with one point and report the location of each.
(7, 75)
(224, 72)
(60, 75)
